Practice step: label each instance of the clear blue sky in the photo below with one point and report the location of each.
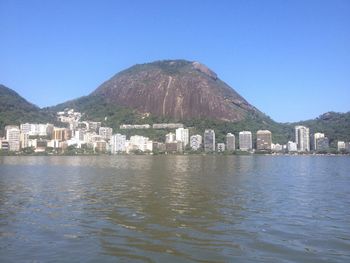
(290, 59)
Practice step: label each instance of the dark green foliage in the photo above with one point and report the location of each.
(16, 110)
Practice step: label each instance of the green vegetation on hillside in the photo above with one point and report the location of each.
(16, 110)
(336, 126)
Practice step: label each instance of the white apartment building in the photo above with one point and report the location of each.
(245, 141)
(182, 135)
(13, 137)
(118, 143)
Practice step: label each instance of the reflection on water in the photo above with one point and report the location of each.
(175, 208)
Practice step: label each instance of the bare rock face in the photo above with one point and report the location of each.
(178, 89)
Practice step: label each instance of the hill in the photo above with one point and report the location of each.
(335, 125)
(15, 110)
(177, 89)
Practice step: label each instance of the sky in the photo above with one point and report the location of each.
(290, 58)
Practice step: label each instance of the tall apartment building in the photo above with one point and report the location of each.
(105, 132)
(118, 143)
(196, 142)
(13, 137)
(263, 140)
(182, 135)
(245, 141)
(302, 138)
(230, 142)
(209, 141)
(316, 136)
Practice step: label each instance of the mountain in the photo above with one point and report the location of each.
(169, 91)
(15, 110)
(177, 89)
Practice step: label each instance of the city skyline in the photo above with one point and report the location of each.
(273, 65)
(78, 137)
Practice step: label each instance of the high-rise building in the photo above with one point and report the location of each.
(230, 142)
(316, 136)
(182, 135)
(24, 139)
(105, 132)
(245, 141)
(221, 147)
(118, 143)
(263, 140)
(170, 137)
(209, 141)
(13, 137)
(302, 138)
(196, 142)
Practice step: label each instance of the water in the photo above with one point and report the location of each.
(175, 209)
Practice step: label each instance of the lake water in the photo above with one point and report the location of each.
(175, 209)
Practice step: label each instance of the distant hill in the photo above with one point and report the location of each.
(335, 125)
(15, 110)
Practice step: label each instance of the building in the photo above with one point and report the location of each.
(292, 146)
(316, 136)
(221, 147)
(61, 134)
(263, 140)
(182, 135)
(167, 125)
(322, 144)
(100, 146)
(139, 143)
(302, 138)
(105, 132)
(209, 141)
(245, 141)
(230, 142)
(24, 138)
(174, 147)
(196, 142)
(118, 143)
(13, 137)
(276, 147)
(35, 129)
(347, 147)
(170, 137)
(341, 146)
(94, 126)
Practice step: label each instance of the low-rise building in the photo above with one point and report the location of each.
(341, 146)
(292, 146)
